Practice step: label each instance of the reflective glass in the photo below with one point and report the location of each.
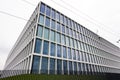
(63, 39)
(64, 52)
(41, 19)
(58, 16)
(74, 54)
(39, 31)
(63, 28)
(47, 22)
(44, 65)
(35, 64)
(59, 66)
(52, 66)
(69, 54)
(42, 8)
(46, 33)
(58, 51)
(75, 68)
(65, 67)
(52, 49)
(47, 11)
(70, 68)
(53, 14)
(52, 37)
(58, 27)
(46, 47)
(53, 24)
(38, 46)
(58, 37)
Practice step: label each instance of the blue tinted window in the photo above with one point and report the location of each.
(39, 31)
(78, 55)
(63, 39)
(75, 68)
(41, 19)
(58, 37)
(71, 34)
(59, 66)
(52, 50)
(67, 30)
(47, 22)
(35, 64)
(53, 24)
(48, 11)
(61, 18)
(38, 46)
(58, 51)
(64, 52)
(46, 33)
(52, 37)
(44, 65)
(63, 28)
(69, 54)
(65, 67)
(42, 8)
(58, 16)
(53, 14)
(52, 66)
(74, 54)
(65, 20)
(70, 68)
(58, 26)
(45, 47)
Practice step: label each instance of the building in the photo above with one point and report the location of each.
(52, 43)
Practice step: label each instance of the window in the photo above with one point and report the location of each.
(70, 32)
(69, 54)
(53, 14)
(61, 18)
(71, 42)
(52, 66)
(53, 24)
(38, 46)
(58, 51)
(75, 68)
(46, 33)
(65, 67)
(67, 30)
(47, 22)
(46, 47)
(44, 65)
(41, 19)
(42, 8)
(58, 16)
(78, 55)
(63, 39)
(58, 37)
(70, 68)
(48, 11)
(64, 52)
(58, 26)
(52, 36)
(35, 64)
(59, 66)
(65, 20)
(63, 28)
(74, 54)
(67, 41)
(52, 50)
(39, 31)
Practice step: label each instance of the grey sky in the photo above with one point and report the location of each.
(105, 12)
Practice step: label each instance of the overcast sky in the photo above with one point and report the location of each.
(100, 16)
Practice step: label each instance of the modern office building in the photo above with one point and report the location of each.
(52, 43)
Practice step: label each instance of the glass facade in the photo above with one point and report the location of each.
(68, 47)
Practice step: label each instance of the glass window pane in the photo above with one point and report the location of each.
(35, 64)
(38, 46)
(52, 66)
(58, 51)
(46, 47)
(74, 54)
(69, 54)
(59, 66)
(58, 26)
(63, 39)
(70, 68)
(47, 22)
(67, 30)
(41, 19)
(52, 50)
(48, 11)
(53, 14)
(52, 36)
(53, 24)
(42, 8)
(75, 68)
(46, 33)
(61, 19)
(64, 52)
(65, 67)
(78, 55)
(44, 65)
(58, 37)
(63, 28)
(58, 16)
(39, 31)
(67, 41)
